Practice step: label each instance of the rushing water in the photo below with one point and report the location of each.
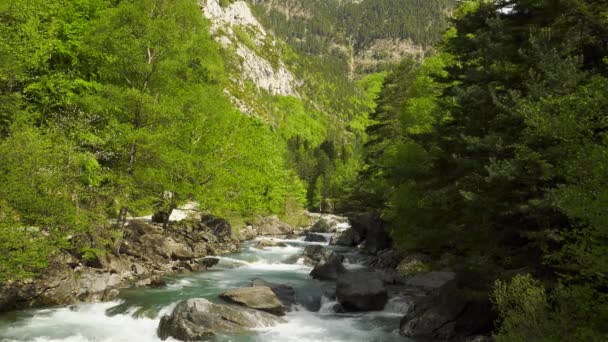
(136, 315)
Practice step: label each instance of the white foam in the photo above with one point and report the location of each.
(84, 323)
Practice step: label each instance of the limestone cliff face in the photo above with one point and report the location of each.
(254, 49)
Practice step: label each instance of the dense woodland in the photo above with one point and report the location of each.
(492, 152)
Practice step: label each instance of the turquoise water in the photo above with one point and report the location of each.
(135, 316)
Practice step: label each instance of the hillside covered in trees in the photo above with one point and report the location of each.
(492, 154)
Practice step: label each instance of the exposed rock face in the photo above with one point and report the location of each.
(361, 291)
(272, 226)
(285, 293)
(328, 269)
(269, 243)
(257, 297)
(147, 251)
(275, 79)
(449, 313)
(312, 237)
(198, 319)
(370, 227)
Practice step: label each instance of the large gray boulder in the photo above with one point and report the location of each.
(199, 319)
(315, 253)
(328, 269)
(257, 297)
(348, 237)
(285, 293)
(361, 291)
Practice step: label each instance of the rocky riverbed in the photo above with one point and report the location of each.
(334, 280)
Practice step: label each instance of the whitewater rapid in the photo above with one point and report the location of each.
(135, 316)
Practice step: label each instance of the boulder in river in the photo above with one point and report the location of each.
(361, 291)
(257, 297)
(312, 237)
(269, 243)
(328, 269)
(348, 237)
(285, 293)
(199, 319)
(315, 253)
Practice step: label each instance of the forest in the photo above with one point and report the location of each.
(493, 151)
(490, 153)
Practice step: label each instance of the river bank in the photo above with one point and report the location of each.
(326, 267)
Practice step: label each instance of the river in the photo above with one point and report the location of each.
(135, 316)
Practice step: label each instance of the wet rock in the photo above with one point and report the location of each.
(210, 261)
(361, 291)
(328, 269)
(315, 253)
(348, 237)
(285, 293)
(257, 297)
(292, 237)
(198, 319)
(311, 237)
(269, 243)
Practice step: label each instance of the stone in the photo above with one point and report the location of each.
(210, 261)
(272, 226)
(449, 313)
(370, 227)
(285, 293)
(328, 269)
(199, 319)
(269, 243)
(257, 297)
(348, 237)
(247, 233)
(311, 237)
(361, 291)
(315, 253)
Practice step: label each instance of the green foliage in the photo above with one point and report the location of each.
(106, 107)
(528, 313)
(494, 150)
